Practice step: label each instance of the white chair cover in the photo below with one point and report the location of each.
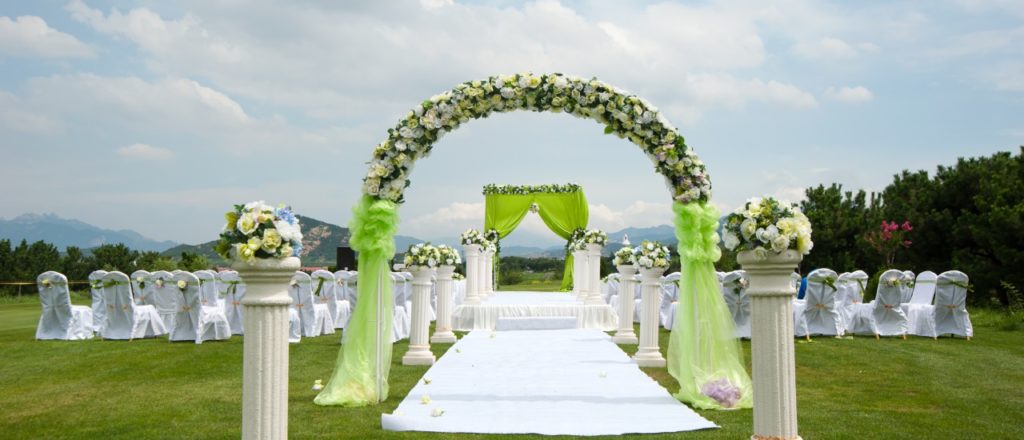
(125, 319)
(669, 297)
(795, 278)
(402, 322)
(294, 326)
(233, 289)
(918, 308)
(140, 286)
(60, 319)
(884, 316)
(924, 288)
(325, 291)
(99, 307)
(196, 321)
(347, 279)
(460, 292)
(951, 315)
(407, 285)
(208, 293)
(316, 320)
(164, 296)
(734, 293)
(610, 287)
(907, 286)
(819, 315)
(849, 296)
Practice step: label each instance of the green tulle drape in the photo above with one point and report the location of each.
(361, 373)
(563, 213)
(703, 353)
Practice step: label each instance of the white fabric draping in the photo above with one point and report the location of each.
(141, 285)
(950, 316)
(60, 319)
(164, 296)
(572, 382)
(99, 307)
(883, 316)
(527, 304)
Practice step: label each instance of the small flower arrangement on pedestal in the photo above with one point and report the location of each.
(624, 257)
(764, 225)
(422, 255)
(473, 236)
(595, 236)
(652, 255)
(256, 230)
(449, 255)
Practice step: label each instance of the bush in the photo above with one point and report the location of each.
(512, 277)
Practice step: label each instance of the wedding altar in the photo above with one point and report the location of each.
(529, 308)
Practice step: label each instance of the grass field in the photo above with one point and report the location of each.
(848, 389)
(536, 282)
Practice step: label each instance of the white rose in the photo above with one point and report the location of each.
(748, 228)
(731, 241)
(760, 253)
(780, 243)
(246, 224)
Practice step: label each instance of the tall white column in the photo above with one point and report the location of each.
(419, 344)
(649, 353)
(489, 272)
(625, 333)
(771, 301)
(265, 348)
(472, 252)
(580, 267)
(443, 326)
(481, 274)
(594, 275)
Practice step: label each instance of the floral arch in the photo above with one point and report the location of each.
(360, 377)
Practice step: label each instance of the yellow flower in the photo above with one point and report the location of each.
(182, 284)
(247, 224)
(271, 240)
(255, 243)
(425, 399)
(231, 218)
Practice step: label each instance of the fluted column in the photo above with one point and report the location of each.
(649, 353)
(489, 273)
(472, 252)
(265, 348)
(419, 343)
(579, 274)
(625, 333)
(594, 275)
(774, 377)
(443, 326)
(481, 274)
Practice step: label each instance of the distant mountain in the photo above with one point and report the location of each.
(67, 232)
(319, 243)
(533, 252)
(663, 233)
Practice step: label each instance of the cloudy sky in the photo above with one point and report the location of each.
(157, 116)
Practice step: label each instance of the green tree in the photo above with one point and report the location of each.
(839, 220)
(154, 261)
(112, 257)
(192, 262)
(74, 264)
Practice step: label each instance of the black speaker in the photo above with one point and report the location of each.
(346, 258)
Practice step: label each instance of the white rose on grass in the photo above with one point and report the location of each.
(731, 241)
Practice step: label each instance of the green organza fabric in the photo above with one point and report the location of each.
(703, 353)
(361, 373)
(563, 213)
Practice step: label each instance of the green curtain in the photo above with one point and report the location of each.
(703, 353)
(563, 213)
(361, 373)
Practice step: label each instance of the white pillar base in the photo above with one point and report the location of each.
(625, 333)
(265, 348)
(594, 276)
(443, 326)
(419, 346)
(649, 354)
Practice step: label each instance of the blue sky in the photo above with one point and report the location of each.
(157, 116)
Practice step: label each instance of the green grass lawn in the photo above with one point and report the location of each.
(536, 282)
(848, 389)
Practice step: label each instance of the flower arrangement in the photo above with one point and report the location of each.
(493, 238)
(534, 208)
(449, 255)
(458, 276)
(523, 190)
(766, 224)
(624, 257)
(473, 236)
(889, 238)
(622, 113)
(257, 230)
(595, 236)
(422, 255)
(141, 280)
(46, 283)
(652, 255)
(892, 281)
(182, 285)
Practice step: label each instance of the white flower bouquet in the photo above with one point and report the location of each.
(423, 255)
(257, 230)
(449, 255)
(652, 255)
(765, 225)
(624, 257)
(473, 236)
(595, 236)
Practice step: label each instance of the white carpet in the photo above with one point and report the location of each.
(532, 304)
(552, 382)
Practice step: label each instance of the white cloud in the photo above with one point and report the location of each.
(15, 116)
(722, 90)
(30, 36)
(830, 48)
(850, 95)
(639, 214)
(145, 152)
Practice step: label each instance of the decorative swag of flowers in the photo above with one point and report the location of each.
(257, 230)
(623, 114)
(523, 190)
(764, 224)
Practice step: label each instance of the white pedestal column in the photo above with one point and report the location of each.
(472, 252)
(489, 273)
(580, 267)
(594, 275)
(649, 354)
(481, 275)
(419, 345)
(265, 349)
(443, 326)
(625, 333)
(774, 379)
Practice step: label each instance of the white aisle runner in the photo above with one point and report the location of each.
(568, 382)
